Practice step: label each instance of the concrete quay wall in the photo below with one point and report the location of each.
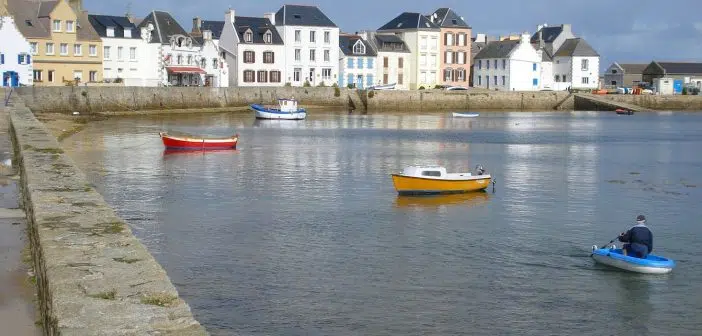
(659, 103)
(433, 100)
(94, 277)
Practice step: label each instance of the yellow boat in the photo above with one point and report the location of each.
(435, 180)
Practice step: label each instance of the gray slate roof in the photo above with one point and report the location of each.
(27, 20)
(101, 22)
(389, 43)
(576, 47)
(682, 68)
(632, 68)
(346, 43)
(214, 26)
(300, 15)
(165, 26)
(447, 18)
(410, 21)
(497, 49)
(259, 26)
(549, 34)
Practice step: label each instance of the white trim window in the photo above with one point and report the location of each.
(34, 48)
(49, 48)
(64, 49)
(57, 26)
(92, 50)
(70, 27)
(327, 37)
(132, 53)
(359, 48)
(77, 49)
(106, 52)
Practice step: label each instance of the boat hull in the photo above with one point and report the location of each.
(262, 112)
(653, 264)
(465, 115)
(192, 143)
(409, 185)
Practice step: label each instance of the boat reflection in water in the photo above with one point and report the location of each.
(470, 199)
(278, 123)
(176, 152)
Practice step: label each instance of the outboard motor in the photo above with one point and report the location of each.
(479, 170)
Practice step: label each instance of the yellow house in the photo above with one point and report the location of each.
(65, 47)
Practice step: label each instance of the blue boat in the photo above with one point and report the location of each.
(287, 109)
(614, 257)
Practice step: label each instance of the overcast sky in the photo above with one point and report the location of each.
(634, 31)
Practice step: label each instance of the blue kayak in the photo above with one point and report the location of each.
(614, 257)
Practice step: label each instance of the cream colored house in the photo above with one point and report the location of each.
(422, 37)
(65, 48)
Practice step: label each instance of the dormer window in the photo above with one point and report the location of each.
(268, 37)
(359, 48)
(127, 32)
(248, 36)
(110, 31)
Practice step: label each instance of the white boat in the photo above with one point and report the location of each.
(465, 115)
(287, 109)
(383, 87)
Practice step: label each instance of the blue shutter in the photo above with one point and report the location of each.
(360, 62)
(349, 63)
(29, 59)
(535, 82)
(350, 79)
(534, 66)
(370, 63)
(369, 80)
(2, 58)
(19, 59)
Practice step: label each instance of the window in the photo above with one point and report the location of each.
(350, 81)
(78, 75)
(584, 65)
(313, 55)
(614, 82)
(503, 81)
(434, 43)
(249, 56)
(268, 57)
(495, 63)
(327, 55)
(370, 63)
(461, 75)
(119, 54)
(21, 59)
(262, 76)
(359, 48)
(179, 59)
(504, 64)
(462, 39)
(275, 76)
(399, 79)
(435, 173)
(297, 36)
(448, 75)
(460, 58)
(296, 74)
(400, 63)
(249, 76)
(78, 50)
(360, 62)
(448, 39)
(385, 62)
(57, 25)
(423, 59)
(326, 73)
(52, 76)
(480, 64)
(49, 48)
(349, 63)
(215, 63)
(586, 80)
(385, 78)
(494, 80)
(37, 75)
(70, 27)
(313, 36)
(311, 77)
(203, 63)
(614, 71)
(564, 78)
(298, 54)
(268, 37)
(327, 37)
(557, 78)
(127, 32)
(533, 67)
(423, 43)
(64, 49)
(448, 57)
(92, 76)
(248, 36)
(535, 82)
(106, 52)
(92, 49)
(480, 80)
(34, 47)
(487, 64)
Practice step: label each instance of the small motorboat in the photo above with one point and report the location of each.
(383, 87)
(614, 257)
(191, 142)
(435, 180)
(624, 111)
(465, 115)
(287, 109)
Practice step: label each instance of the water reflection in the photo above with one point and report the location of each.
(464, 200)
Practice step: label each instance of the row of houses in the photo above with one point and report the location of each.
(642, 74)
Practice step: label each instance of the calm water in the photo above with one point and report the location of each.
(300, 231)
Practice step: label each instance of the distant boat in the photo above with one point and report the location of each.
(191, 142)
(465, 115)
(383, 87)
(287, 109)
(624, 111)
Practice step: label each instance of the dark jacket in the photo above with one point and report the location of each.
(639, 234)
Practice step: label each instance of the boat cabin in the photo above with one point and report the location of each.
(287, 104)
(425, 171)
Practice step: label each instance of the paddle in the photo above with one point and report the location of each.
(605, 245)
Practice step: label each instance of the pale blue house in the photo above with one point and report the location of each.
(357, 63)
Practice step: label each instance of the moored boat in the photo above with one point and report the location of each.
(435, 180)
(624, 111)
(465, 115)
(383, 87)
(287, 109)
(614, 257)
(191, 142)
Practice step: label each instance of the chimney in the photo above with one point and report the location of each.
(526, 37)
(229, 16)
(567, 27)
(197, 24)
(76, 5)
(542, 43)
(270, 17)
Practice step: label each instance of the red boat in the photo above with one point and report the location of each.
(190, 142)
(624, 111)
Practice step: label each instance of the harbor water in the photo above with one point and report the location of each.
(300, 231)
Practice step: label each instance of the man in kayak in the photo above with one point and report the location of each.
(639, 239)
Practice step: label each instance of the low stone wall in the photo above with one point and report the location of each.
(93, 276)
(432, 100)
(659, 102)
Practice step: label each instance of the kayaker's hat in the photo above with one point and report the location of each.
(641, 218)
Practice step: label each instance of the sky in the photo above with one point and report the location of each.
(627, 32)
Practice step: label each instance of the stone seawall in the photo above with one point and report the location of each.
(433, 100)
(660, 103)
(94, 277)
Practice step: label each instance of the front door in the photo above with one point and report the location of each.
(10, 78)
(15, 79)
(6, 78)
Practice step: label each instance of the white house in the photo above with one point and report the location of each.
(127, 57)
(254, 50)
(178, 53)
(357, 65)
(422, 37)
(509, 65)
(393, 64)
(311, 42)
(207, 34)
(15, 55)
